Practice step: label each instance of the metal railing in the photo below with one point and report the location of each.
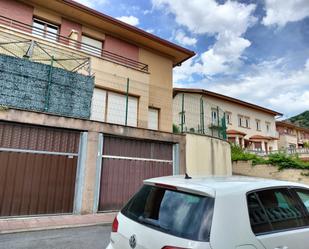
(94, 51)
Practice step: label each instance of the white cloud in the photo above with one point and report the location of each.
(228, 22)
(182, 39)
(280, 12)
(271, 85)
(92, 3)
(132, 20)
(150, 31)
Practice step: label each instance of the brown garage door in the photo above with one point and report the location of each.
(126, 163)
(37, 169)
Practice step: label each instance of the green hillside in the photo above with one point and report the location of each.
(301, 120)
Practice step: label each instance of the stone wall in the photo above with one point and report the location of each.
(269, 171)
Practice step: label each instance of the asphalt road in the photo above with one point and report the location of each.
(95, 237)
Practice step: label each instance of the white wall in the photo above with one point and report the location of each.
(207, 156)
(192, 113)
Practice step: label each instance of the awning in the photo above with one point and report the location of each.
(235, 132)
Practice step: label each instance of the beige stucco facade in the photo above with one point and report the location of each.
(291, 136)
(152, 89)
(160, 86)
(192, 109)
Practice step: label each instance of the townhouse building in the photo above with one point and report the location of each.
(85, 108)
(250, 126)
(291, 136)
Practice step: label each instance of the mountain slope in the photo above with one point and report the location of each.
(301, 120)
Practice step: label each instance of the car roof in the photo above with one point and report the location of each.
(219, 185)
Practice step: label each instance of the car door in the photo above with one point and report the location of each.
(278, 219)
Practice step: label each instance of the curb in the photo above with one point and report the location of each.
(37, 229)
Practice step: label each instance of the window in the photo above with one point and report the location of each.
(303, 194)
(243, 121)
(116, 109)
(247, 122)
(258, 125)
(98, 105)
(228, 117)
(267, 126)
(274, 210)
(44, 29)
(153, 118)
(91, 45)
(240, 122)
(214, 116)
(180, 214)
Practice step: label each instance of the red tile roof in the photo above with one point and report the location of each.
(235, 132)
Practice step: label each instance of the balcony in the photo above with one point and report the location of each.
(90, 50)
(37, 76)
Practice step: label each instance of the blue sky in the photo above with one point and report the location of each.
(255, 50)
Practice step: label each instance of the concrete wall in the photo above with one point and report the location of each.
(269, 171)
(16, 10)
(67, 26)
(120, 47)
(207, 156)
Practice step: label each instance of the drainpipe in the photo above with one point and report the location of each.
(127, 101)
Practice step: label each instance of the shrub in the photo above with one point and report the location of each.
(281, 160)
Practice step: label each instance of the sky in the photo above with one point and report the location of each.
(254, 50)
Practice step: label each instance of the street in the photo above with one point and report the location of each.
(95, 237)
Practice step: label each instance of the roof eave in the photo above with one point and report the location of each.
(227, 98)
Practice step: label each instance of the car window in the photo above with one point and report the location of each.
(304, 197)
(177, 213)
(278, 208)
(258, 217)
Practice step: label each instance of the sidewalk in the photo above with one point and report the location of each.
(25, 224)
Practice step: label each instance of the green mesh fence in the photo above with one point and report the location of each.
(36, 86)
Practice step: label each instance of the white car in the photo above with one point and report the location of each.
(214, 213)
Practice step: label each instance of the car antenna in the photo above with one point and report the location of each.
(187, 176)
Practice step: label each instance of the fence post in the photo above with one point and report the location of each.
(218, 121)
(47, 96)
(224, 136)
(127, 101)
(202, 115)
(182, 111)
(29, 52)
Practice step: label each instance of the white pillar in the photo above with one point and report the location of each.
(237, 140)
(243, 142)
(263, 146)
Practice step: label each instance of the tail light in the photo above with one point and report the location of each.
(115, 225)
(172, 247)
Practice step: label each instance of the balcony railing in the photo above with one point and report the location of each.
(287, 151)
(94, 51)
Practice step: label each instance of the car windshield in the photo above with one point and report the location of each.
(177, 213)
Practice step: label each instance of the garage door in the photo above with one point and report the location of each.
(126, 163)
(37, 169)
